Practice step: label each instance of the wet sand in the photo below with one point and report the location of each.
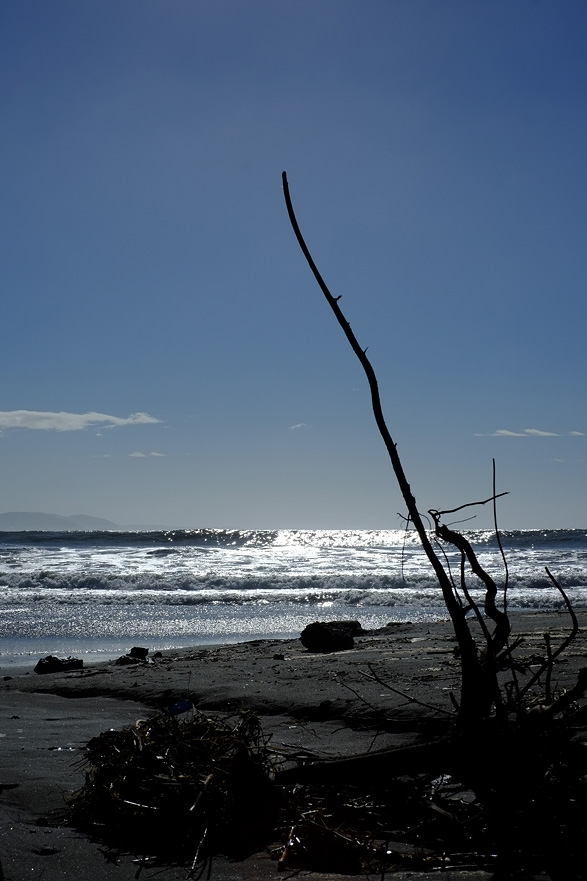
(324, 704)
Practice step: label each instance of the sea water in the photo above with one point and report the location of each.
(96, 594)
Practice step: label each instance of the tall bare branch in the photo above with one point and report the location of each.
(471, 673)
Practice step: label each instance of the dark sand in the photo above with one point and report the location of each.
(325, 704)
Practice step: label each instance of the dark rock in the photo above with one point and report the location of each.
(51, 664)
(330, 636)
(135, 656)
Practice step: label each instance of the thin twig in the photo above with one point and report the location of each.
(547, 681)
(463, 520)
(568, 604)
(563, 646)
(508, 645)
(406, 530)
(499, 544)
(409, 698)
(470, 504)
(363, 699)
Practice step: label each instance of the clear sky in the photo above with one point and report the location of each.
(166, 355)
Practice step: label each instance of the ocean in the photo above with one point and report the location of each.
(96, 594)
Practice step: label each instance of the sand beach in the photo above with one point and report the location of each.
(322, 705)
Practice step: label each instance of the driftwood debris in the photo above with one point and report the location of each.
(360, 768)
(178, 786)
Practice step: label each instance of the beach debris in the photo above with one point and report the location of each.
(330, 636)
(125, 660)
(51, 664)
(136, 655)
(382, 824)
(46, 851)
(313, 844)
(181, 788)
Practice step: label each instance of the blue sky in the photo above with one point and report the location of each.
(167, 356)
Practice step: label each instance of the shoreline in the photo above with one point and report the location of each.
(230, 625)
(18, 654)
(321, 703)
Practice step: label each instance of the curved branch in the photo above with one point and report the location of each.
(552, 656)
(471, 504)
(501, 620)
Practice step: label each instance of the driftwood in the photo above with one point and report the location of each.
(483, 695)
(512, 749)
(473, 694)
(362, 767)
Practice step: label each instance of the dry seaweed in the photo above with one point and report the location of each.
(178, 788)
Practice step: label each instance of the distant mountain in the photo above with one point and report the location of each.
(21, 521)
(92, 523)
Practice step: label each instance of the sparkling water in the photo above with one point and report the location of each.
(98, 593)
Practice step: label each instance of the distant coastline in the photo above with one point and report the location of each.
(38, 521)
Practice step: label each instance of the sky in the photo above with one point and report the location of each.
(167, 357)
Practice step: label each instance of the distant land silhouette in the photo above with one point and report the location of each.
(36, 521)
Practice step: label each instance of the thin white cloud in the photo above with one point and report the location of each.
(38, 420)
(138, 455)
(527, 432)
(299, 426)
(577, 434)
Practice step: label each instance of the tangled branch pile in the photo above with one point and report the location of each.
(178, 788)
